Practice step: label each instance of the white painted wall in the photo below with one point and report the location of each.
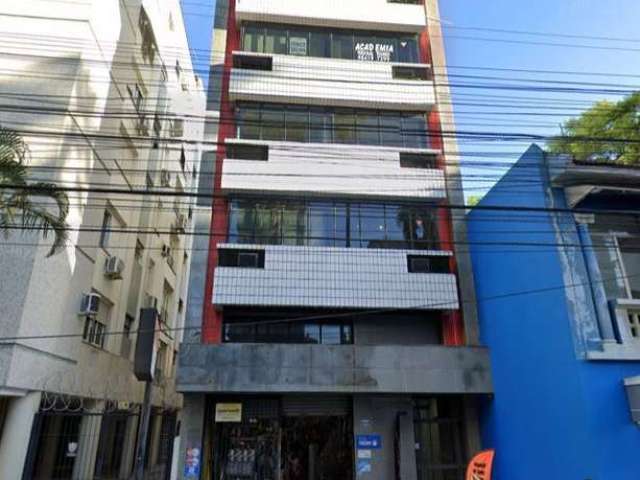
(330, 81)
(332, 169)
(374, 14)
(334, 277)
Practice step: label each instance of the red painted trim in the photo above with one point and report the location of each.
(452, 322)
(212, 316)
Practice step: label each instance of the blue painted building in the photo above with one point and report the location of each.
(558, 286)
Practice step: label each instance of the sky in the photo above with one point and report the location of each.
(579, 36)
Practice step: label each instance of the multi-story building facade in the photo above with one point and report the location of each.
(104, 95)
(337, 314)
(557, 265)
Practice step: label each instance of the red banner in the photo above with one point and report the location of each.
(481, 466)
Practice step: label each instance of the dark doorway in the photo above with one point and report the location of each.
(57, 446)
(317, 448)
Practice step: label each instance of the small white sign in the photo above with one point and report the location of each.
(364, 453)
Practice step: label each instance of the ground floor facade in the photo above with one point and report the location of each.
(327, 436)
(56, 437)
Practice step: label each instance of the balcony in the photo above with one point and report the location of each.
(278, 368)
(333, 169)
(328, 81)
(359, 14)
(292, 276)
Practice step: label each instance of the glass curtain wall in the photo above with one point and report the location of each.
(333, 224)
(292, 123)
(331, 43)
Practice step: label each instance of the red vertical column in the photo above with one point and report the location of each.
(452, 322)
(212, 316)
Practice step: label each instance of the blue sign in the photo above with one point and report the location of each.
(363, 466)
(368, 442)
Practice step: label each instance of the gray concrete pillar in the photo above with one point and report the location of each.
(192, 433)
(383, 416)
(16, 433)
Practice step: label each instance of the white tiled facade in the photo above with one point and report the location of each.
(334, 278)
(380, 14)
(330, 81)
(338, 169)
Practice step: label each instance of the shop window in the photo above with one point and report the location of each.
(253, 62)
(248, 152)
(417, 160)
(428, 264)
(241, 258)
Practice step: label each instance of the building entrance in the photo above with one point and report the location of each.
(293, 441)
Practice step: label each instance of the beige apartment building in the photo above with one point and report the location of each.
(105, 95)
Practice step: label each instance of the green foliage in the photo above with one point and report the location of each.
(16, 193)
(473, 200)
(607, 132)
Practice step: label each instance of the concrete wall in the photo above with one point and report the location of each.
(553, 410)
(335, 277)
(279, 368)
(330, 81)
(332, 169)
(374, 14)
(378, 415)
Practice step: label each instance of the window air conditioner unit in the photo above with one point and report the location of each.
(165, 178)
(90, 304)
(113, 267)
(166, 250)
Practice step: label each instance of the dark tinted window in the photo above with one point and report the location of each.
(241, 258)
(414, 131)
(248, 152)
(428, 264)
(297, 124)
(320, 44)
(368, 128)
(417, 160)
(275, 40)
(342, 46)
(344, 126)
(248, 120)
(272, 122)
(321, 125)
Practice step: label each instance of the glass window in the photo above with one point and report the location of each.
(321, 126)
(342, 46)
(347, 335)
(320, 44)
(398, 226)
(414, 131)
(275, 41)
(312, 334)
(372, 226)
(294, 225)
(425, 228)
(273, 126)
(298, 43)
(268, 220)
(344, 126)
(408, 50)
(253, 40)
(365, 47)
(248, 118)
(386, 48)
(342, 225)
(242, 222)
(368, 128)
(321, 225)
(297, 124)
(105, 231)
(390, 130)
(331, 335)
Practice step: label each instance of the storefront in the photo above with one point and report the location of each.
(320, 437)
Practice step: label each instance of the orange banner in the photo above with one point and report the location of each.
(481, 466)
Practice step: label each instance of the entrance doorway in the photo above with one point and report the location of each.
(285, 440)
(317, 448)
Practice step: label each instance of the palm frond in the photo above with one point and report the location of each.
(12, 146)
(12, 172)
